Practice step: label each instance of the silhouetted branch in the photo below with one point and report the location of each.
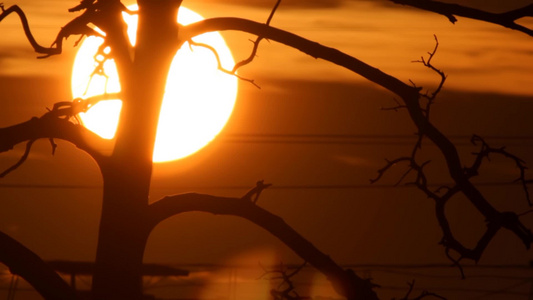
(20, 161)
(495, 219)
(220, 67)
(506, 19)
(311, 48)
(486, 150)
(260, 186)
(427, 63)
(77, 26)
(50, 125)
(422, 295)
(25, 263)
(285, 289)
(253, 54)
(345, 282)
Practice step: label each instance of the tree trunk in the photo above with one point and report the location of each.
(123, 232)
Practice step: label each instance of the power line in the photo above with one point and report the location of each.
(364, 139)
(246, 187)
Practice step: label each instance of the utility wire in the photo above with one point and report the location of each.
(246, 187)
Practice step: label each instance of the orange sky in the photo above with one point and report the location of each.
(476, 56)
(489, 92)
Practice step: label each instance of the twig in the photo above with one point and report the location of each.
(20, 161)
(258, 40)
(219, 64)
(260, 186)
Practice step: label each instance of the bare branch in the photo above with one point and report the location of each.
(253, 54)
(26, 264)
(220, 67)
(313, 49)
(506, 19)
(345, 282)
(422, 295)
(390, 164)
(486, 150)
(442, 75)
(260, 186)
(285, 289)
(20, 161)
(50, 126)
(77, 26)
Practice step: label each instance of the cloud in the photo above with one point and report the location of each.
(310, 4)
(487, 5)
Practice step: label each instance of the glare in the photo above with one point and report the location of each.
(198, 100)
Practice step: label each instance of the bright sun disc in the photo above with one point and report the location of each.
(198, 98)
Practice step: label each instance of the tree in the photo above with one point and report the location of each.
(127, 218)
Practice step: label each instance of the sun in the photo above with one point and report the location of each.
(198, 101)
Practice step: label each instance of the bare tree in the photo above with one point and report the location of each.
(127, 218)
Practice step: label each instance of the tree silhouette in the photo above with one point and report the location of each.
(127, 218)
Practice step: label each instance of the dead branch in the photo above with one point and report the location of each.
(219, 63)
(422, 295)
(285, 289)
(50, 125)
(20, 161)
(506, 19)
(260, 186)
(25, 263)
(495, 219)
(78, 26)
(345, 282)
(258, 40)
(427, 63)
(484, 153)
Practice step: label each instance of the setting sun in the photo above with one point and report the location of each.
(198, 100)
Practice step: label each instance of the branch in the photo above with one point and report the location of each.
(74, 27)
(311, 48)
(507, 19)
(409, 94)
(253, 54)
(345, 282)
(26, 264)
(219, 63)
(49, 126)
(283, 275)
(486, 150)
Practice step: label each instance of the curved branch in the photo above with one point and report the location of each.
(507, 19)
(78, 26)
(345, 282)
(26, 264)
(308, 47)
(410, 96)
(38, 48)
(49, 127)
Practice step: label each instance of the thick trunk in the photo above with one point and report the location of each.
(123, 233)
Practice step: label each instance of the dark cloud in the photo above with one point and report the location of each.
(486, 5)
(492, 5)
(312, 4)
